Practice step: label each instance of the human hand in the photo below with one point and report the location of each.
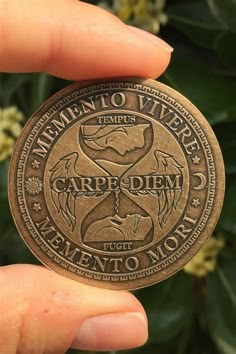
(40, 311)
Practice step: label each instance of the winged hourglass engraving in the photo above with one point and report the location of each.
(119, 183)
(118, 216)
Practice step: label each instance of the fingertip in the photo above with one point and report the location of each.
(154, 39)
(157, 53)
(109, 332)
(157, 68)
(76, 41)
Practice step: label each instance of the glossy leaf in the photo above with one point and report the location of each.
(225, 11)
(196, 21)
(226, 49)
(221, 305)
(9, 85)
(212, 94)
(169, 306)
(226, 135)
(41, 88)
(3, 178)
(227, 219)
(168, 347)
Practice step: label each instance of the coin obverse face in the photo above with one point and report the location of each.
(116, 183)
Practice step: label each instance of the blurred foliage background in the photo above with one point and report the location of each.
(193, 312)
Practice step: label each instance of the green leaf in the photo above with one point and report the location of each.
(226, 49)
(221, 305)
(13, 249)
(227, 219)
(10, 86)
(212, 94)
(196, 21)
(169, 306)
(41, 88)
(224, 11)
(168, 347)
(6, 218)
(226, 136)
(4, 165)
(230, 157)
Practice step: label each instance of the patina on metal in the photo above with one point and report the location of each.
(116, 183)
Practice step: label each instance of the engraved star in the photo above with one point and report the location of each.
(37, 207)
(35, 164)
(196, 202)
(196, 160)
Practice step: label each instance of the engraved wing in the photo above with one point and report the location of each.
(168, 198)
(65, 200)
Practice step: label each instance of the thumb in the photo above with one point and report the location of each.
(43, 312)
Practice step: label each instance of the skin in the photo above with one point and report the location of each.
(40, 311)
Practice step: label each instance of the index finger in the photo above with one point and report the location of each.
(76, 41)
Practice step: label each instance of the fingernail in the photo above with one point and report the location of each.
(151, 37)
(112, 332)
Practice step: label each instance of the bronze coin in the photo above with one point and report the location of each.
(116, 183)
